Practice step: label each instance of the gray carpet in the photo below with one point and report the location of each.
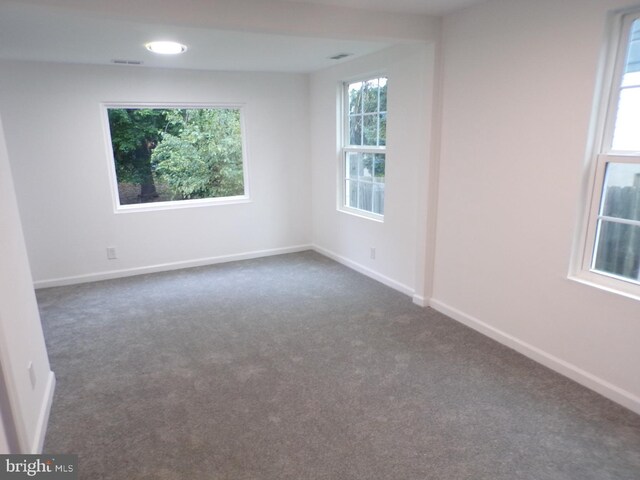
(295, 367)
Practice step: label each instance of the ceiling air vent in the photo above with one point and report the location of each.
(340, 56)
(127, 62)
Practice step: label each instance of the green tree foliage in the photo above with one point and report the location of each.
(134, 134)
(196, 153)
(368, 112)
(204, 158)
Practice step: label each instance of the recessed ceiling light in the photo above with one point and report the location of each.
(166, 48)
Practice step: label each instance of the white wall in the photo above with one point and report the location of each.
(519, 83)
(21, 339)
(399, 240)
(55, 137)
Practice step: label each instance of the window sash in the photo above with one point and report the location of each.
(349, 148)
(596, 217)
(375, 197)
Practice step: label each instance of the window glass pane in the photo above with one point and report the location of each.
(370, 96)
(173, 154)
(621, 197)
(366, 172)
(352, 164)
(360, 166)
(378, 198)
(383, 130)
(633, 56)
(626, 135)
(378, 169)
(617, 252)
(355, 97)
(383, 94)
(631, 79)
(364, 196)
(355, 130)
(351, 190)
(370, 130)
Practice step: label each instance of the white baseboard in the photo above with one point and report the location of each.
(43, 418)
(389, 282)
(420, 300)
(604, 388)
(163, 267)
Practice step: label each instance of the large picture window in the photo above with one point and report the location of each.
(611, 255)
(163, 156)
(364, 146)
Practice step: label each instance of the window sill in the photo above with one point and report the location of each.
(607, 284)
(362, 214)
(179, 204)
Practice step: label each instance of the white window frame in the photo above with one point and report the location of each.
(346, 148)
(601, 155)
(174, 204)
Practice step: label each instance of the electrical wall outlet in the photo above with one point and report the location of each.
(372, 253)
(111, 253)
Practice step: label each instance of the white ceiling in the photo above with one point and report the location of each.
(425, 7)
(70, 38)
(80, 31)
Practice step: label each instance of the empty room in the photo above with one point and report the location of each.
(320, 239)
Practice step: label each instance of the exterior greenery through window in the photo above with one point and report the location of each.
(613, 238)
(364, 149)
(173, 154)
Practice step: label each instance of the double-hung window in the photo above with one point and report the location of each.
(611, 255)
(364, 147)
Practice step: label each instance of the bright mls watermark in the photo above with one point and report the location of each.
(50, 467)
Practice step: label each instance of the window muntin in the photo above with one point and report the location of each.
(364, 149)
(611, 256)
(176, 156)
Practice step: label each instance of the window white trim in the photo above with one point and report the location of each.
(345, 147)
(178, 204)
(601, 154)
